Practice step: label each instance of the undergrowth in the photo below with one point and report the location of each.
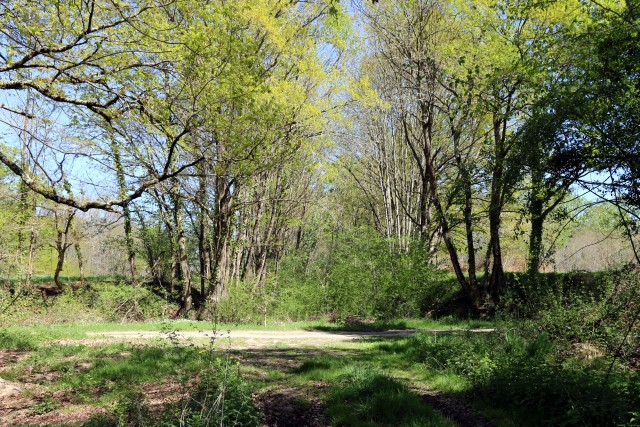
(531, 379)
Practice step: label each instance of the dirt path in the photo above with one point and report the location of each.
(261, 339)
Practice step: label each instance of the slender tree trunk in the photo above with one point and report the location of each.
(76, 246)
(427, 124)
(152, 263)
(497, 278)
(63, 225)
(30, 256)
(204, 247)
(261, 269)
(60, 260)
(187, 300)
(467, 209)
(537, 223)
(181, 262)
(126, 213)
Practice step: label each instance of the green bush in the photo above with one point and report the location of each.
(526, 377)
(360, 275)
(96, 301)
(594, 308)
(221, 398)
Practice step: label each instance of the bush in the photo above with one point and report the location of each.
(361, 275)
(221, 398)
(597, 308)
(526, 377)
(97, 301)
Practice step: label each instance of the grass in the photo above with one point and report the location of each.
(366, 397)
(372, 382)
(31, 336)
(108, 375)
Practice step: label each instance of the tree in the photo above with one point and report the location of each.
(71, 55)
(462, 95)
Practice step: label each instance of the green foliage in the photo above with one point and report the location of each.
(362, 274)
(46, 405)
(369, 278)
(222, 397)
(15, 341)
(131, 410)
(100, 300)
(526, 377)
(594, 308)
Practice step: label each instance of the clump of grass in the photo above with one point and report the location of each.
(366, 397)
(15, 340)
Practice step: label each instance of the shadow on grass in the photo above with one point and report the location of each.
(515, 380)
(357, 386)
(526, 381)
(377, 326)
(536, 392)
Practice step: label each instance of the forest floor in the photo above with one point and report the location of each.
(293, 371)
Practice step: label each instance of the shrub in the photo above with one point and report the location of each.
(221, 397)
(599, 309)
(97, 301)
(525, 376)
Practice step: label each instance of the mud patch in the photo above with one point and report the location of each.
(9, 388)
(158, 395)
(24, 403)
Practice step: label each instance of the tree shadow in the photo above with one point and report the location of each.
(356, 387)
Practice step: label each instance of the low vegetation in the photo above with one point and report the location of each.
(568, 362)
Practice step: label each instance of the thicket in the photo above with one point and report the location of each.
(99, 300)
(359, 274)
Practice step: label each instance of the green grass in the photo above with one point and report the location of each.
(366, 397)
(371, 382)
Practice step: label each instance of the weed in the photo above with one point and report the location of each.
(46, 405)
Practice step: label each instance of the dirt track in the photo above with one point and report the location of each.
(260, 339)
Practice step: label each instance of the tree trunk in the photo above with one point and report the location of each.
(497, 278)
(63, 225)
(427, 123)
(126, 213)
(30, 256)
(537, 223)
(181, 262)
(467, 209)
(76, 246)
